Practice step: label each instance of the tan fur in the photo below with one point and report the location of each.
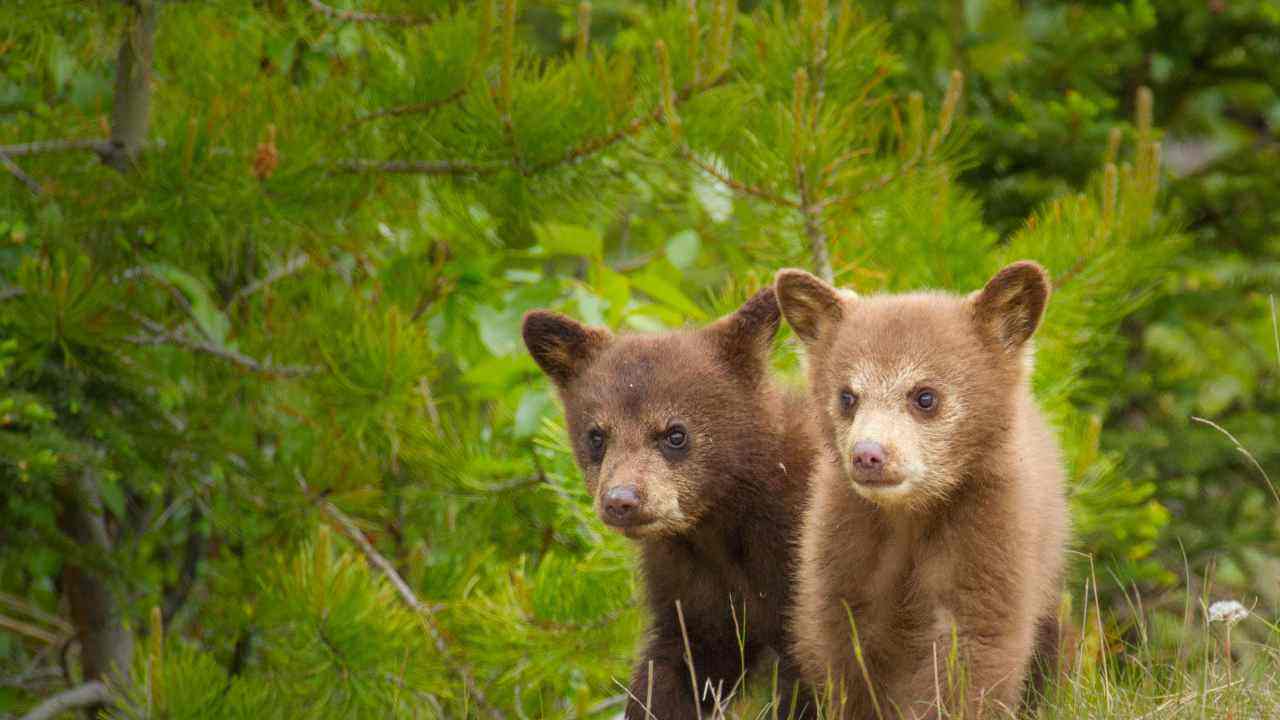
(971, 539)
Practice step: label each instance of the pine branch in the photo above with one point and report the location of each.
(739, 186)
(163, 336)
(353, 533)
(578, 152)
(22, 177)
(358, 16)
(418, 167)
(410, 109)
(88, 694)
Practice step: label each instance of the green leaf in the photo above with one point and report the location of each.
(658, 288)
(590, 306)
(534, 405)
(560, 239)
(683, 249)
(499, 329)
(616, 289)
(112, 496)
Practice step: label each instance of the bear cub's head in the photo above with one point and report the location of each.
(916, 392)
(661, 423)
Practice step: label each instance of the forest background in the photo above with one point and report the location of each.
(262, 266)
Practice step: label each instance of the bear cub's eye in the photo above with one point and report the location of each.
(926, 400)
(847, 401)
(676, 438)
(595, 438)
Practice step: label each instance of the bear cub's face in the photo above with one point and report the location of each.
(658, 422)
(914, 390)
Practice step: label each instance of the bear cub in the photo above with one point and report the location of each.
(689, 449)
(945, 514)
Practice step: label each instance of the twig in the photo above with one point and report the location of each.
(34, 612)
(738, 185)
(1243, 451)
(410, 109)
(31, 631)
(597, 144)
(294, 264)
(90, 693)
(22, 177)
(353, 533)
(357, 16)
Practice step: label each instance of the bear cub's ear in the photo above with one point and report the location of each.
(743, 338)
(1008, 310)
(562, 346)
(812, 307)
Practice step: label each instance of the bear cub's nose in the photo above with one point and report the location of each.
(868, 455)
(620, 502)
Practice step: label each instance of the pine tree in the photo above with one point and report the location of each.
(269, 440)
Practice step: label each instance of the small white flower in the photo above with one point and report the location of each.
(1227, 611)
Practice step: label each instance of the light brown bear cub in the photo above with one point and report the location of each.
(946, 510)
(690, 450)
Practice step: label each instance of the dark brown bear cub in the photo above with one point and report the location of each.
(945, 512)
(689, 449)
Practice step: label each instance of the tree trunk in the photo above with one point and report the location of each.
(131, 112)
(106, 646)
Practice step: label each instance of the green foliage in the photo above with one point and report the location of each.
(307, 295)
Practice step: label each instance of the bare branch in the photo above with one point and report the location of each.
(353, 533)
(160, 335)
(90, 693)
(17, 172)
(97, 145)
(296, 263)
(10, 293)
(358, 16)
(232, 356)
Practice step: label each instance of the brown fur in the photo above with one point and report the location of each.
(722, 517)
(972, 538)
